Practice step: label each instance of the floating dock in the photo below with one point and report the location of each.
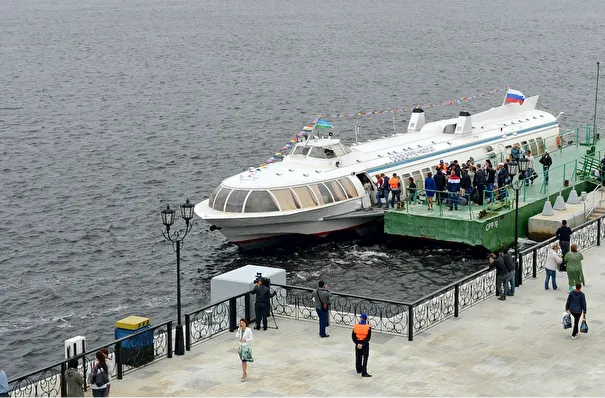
(492, 225)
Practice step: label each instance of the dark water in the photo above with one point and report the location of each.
(111, 109)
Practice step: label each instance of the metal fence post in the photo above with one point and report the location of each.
(456, 300)
(119, 364)
(63, 381)
(410, 323)
(232, 314)
(520, 271)
(534, 260)
(187, 332)
(169, 338)
(599, 232)
(247, 306)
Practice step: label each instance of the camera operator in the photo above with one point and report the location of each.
(263, 296)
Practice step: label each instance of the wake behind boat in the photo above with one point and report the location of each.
(323, 186)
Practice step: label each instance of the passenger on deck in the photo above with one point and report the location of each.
(453, 187)
(440, 185)
(479, 181)
(395, 185)
(379, 190)
(430, 188)
(411, 190)
(386, 188)
(530, 168)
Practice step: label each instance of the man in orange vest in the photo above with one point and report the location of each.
(361, 335)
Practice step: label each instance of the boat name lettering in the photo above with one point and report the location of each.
(491, 225)
(411, 154)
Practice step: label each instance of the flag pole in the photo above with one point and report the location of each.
(594, 119)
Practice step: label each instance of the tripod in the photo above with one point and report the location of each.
(269, 311)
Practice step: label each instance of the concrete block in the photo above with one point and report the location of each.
(547, 209)
(573, 198)
(560, 203)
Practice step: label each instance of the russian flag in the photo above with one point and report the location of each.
(514, 96)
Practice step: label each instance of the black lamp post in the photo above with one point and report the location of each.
(177, 242)
(519, 169)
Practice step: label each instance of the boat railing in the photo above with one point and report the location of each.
(125, 355)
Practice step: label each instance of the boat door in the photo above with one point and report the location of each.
(503, 152)
(368, 190)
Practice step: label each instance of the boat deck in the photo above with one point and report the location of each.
(566, 164)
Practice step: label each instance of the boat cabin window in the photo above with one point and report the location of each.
(349, 187)
(235, 202)
(285, 199)
(533, 146)
(259, 202)
(322, 153)
(541, 145)
(221, 198)
(449, 129)
(337, 191)
(301, 150)
(417, 179)
(323, 194)
(213, 196)
(305, 197)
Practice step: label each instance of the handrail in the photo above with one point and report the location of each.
(592, 201)
(51, 381)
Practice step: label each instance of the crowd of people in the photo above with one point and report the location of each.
(454, 183)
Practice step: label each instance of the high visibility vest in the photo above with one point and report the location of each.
(361, 331)
(394, 182)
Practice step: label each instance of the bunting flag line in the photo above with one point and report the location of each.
(321, 123)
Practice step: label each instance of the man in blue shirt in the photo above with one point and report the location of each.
(3, 384)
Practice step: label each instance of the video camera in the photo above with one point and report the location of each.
(264, 281)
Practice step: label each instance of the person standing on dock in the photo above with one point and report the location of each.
(385, 189)
(430, 188)
(453, 187)
(73, 380)
(263, 302)
(244, 351)
(321, 296)
(564, 235)
(553, 261)
(479, 181)
(379, 190)
(510, 267)
(575, 274)
(3, 384)
(546, 162)
(466, 186)
(576, 306)
(395, 184)
(501, 275)
(362, 332)
(440, 185)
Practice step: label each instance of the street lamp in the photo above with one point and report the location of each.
(177, 242)
(519, 169)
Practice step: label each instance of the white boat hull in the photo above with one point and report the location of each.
(318, 222)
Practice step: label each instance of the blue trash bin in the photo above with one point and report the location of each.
(138, 350)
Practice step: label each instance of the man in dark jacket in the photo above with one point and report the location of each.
(440, 184)
(479, 181)
(261, 307)
(576, 306)
(466, 185)
(502, 176)
(510, 267)
(501, 275)
(546, 162)
(564, 235)
(386, 188)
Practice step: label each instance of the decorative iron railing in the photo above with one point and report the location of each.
(215, 318)
(532, 260)
(126, 354)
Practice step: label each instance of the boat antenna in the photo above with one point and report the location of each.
(596, 96)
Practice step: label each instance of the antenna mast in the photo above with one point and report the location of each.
(594, 119)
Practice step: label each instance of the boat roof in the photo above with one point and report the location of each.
(297, 169)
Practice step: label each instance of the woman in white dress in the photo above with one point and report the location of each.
(244, 350)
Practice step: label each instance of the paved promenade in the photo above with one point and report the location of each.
(515, 347)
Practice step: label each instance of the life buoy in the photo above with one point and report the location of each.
(558, 141)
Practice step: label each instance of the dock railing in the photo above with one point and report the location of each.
(387, 316)
(533, 259)
(125, 355)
